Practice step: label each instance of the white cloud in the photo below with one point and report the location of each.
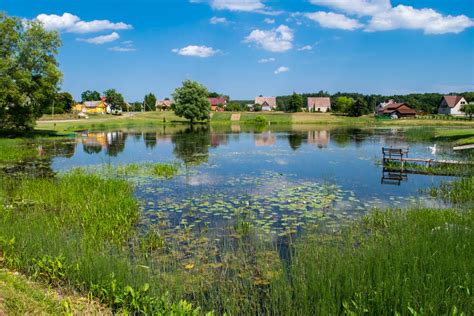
(384, 17)
(334, 20)
(255, 6)
(269, 21)
(281, 69)
(306, 47)
(73, 24)
(216, 20)
(266, 60)
(127, 46)
(275, 40)
(238, 5)
(428, 20)
(98, 40)
(122, 49)
(196, 51)
(358, 7)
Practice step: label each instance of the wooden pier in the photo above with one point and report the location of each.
(400, 155)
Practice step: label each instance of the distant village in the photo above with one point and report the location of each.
(449, 105)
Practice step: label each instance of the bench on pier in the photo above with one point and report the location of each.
(389, 153)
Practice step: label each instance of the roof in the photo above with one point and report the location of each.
(93, 104)
(166, 103)
(452, 100)
(217, 101)
(402, 108)
(319, 102)
(271, 101)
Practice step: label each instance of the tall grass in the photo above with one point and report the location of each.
(74, 231)
(80, 230)
(418, 261)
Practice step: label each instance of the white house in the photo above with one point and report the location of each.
(451, 105)
(267, 103)
(319, 104)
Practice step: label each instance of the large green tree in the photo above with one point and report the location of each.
(468, 109)
(115, 99)
(295, 104)
(343, 104)
(90, 95)
(191, 101)
(29, 74)
(150, 102)
(358, 108)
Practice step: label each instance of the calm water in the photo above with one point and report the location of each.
(278, 180)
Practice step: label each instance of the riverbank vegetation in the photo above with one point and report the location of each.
(81, 231)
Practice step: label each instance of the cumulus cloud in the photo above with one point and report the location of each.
(238, 5)
(384, 17)
(275, 40)
(196, 51)
(358, 7)
(334, 21)
(216, 20)
(73, 24)
(255, 6)
(281, 69)
(98, 40)
(428, 20)
(269, 21)
(266, 60)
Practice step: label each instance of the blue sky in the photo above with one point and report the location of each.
(244, 48)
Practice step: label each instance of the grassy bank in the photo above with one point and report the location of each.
(220, 118)
(455, 136)
(79, 231)
(20, 296)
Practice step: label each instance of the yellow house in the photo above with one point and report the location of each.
(98, 107)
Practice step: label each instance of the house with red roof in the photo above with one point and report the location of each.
(217, 104)
(451, 105)
(395, 110)
(319, 104)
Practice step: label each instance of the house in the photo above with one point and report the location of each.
(267, 103)
(451, 105)
(319, 104)
(381, 105)
(163, 104)
(94, 107)
(218, 104)
(396, 110)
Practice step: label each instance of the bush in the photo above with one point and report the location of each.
(260, 120)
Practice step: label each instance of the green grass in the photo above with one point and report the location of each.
(74, 232)
(160, 170)
(398, 262)
(460, 191)
(435, 169)
(458, 136)
(16, 150)
(20, 296)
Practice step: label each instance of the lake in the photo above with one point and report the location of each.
(277, 179)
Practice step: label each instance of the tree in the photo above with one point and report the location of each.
(90, 95)
(115, 99)
(358, 108)
(295, 103)
(65, 101)
(343, 104)
(468, 109)
(29, 72)
(191, 101)
(150, 102)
